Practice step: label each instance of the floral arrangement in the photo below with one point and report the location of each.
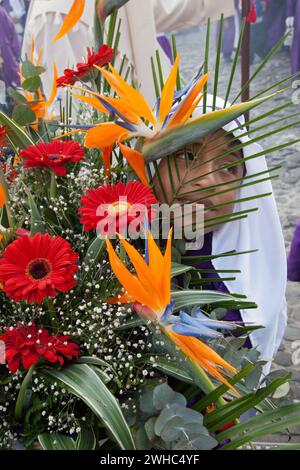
(107, 342)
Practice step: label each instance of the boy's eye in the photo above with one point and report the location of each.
(231, 170)
(185, 154)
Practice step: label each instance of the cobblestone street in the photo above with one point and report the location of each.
(287, 187)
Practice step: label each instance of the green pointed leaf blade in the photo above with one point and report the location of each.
(171, 140)
(37, 224)
(178, 269)
(172, 369)
(84, 383)
(86, 439)
(15, 133)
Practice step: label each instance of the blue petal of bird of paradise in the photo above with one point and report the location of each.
(198, 332)
(215, 324)
(167, 316)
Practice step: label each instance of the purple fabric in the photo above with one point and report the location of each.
(165, 44)
(231, 315)
(293, 9)
(275, 21)
(294, 257)
(9, 49)
(7, 7)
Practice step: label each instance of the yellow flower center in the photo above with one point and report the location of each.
(118, 208)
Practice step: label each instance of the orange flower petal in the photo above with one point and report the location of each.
(104, 135)
(203, 355)
(76, 131)
(31, 55)
(3, 196)
(130, 283)
(187, 107)
(106, 155)
(137, 101)
(122, 298)
(54, 87)
(71, 18)
(92, 102)
(146, 277)
(136, 161)
(165, 272)
(167, 95)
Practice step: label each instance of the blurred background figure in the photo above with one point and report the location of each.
(294, 257)
(259, 33)
(293, 25)
(142, 21)
(275, 16)
(17, 10)
(231, 31)
(9, 57)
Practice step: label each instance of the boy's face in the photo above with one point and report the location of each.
(196, 169)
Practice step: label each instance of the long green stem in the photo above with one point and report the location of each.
(22, 394)
(53, 186)
(199, 375)
(7, 205)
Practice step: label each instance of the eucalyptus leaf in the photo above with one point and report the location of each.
(163, 396)
(16, 96)
(32, 84)
(23, 115)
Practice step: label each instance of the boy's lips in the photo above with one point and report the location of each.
(207, 203)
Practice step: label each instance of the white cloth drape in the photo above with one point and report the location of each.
(141, 21)
(263, 274)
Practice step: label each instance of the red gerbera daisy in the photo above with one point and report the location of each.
(30, 343)
(54, 155)
(100, 58)
(110, 209)
(69, 77)
(33, 268)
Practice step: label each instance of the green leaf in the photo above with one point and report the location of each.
(178, 269)
(218, 392)
(95, 361)
(190, 298)
(32, 84)
(261, 420)
(37, 224)
(94, 251)
(163, 395)
(173, 369)
(56, 441)
(16, 96)
(84, 383)
(23, 115)
(171, 140)
(109, 6)
(28, 69)
(86, 439)
(16, 134)
(219, 418)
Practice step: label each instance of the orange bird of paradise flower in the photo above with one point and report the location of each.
(150, 290)
(39, 105)
(3, 196)
(133, 116)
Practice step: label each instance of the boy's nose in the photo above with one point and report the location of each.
(204, 176)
